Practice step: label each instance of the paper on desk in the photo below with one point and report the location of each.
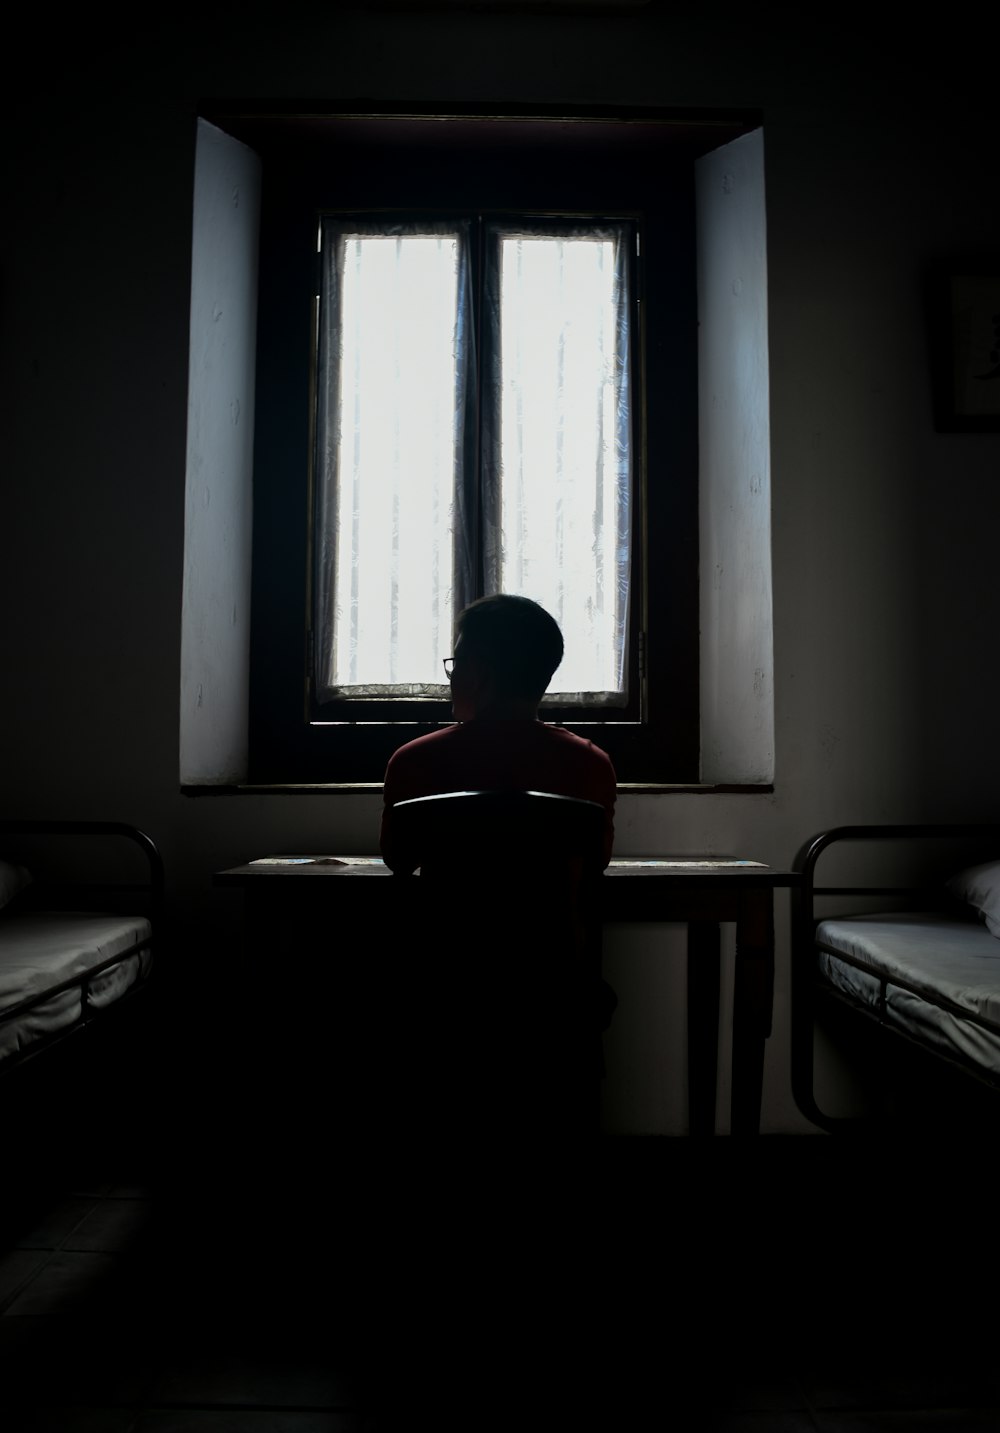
(371, 861)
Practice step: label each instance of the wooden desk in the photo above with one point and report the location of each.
(699, 891)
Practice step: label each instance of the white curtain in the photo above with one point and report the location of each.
(392, 381)
(557, 450)
(427, 493)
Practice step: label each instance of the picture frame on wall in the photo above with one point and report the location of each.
(965, 316)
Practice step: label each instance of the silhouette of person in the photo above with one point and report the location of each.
(506, 651)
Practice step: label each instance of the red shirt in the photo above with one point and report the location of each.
(483, 755)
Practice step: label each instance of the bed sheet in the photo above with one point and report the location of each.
(941, 978)
(41, 949)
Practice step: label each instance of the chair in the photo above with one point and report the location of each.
(509, 885)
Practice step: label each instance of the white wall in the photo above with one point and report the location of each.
(885, 610)
(734, 467)
(218, 508)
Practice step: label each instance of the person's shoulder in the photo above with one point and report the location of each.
(421, 746)
(418, 767)
(582, 748)
(571, 740)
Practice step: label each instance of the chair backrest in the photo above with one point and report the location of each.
(509, 884)
(531, 830)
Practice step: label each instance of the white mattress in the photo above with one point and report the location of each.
(41, 949)
(940, 978)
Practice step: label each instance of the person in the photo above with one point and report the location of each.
(507, 649)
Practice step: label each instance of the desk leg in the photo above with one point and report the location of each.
(753, 1000)
(703, 1024)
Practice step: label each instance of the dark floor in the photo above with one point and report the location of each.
(785, 1285)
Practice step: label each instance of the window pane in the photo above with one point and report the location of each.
(396, 549)
(388, 446)
(565, 449)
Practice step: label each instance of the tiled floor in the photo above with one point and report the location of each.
(787, 1286)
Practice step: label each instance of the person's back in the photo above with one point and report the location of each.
(506, 652)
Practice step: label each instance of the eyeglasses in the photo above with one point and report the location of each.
(449, 667)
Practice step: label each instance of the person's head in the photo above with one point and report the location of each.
(506, 650)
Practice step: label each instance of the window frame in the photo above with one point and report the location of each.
(345, 709)
(289, 747)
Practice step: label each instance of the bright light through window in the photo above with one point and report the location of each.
(393, 567)
(564, 482)
(412, 519)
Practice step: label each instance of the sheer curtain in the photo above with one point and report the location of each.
(393, 380)
(428, 494)
(557, 450)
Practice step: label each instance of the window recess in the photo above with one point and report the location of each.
(612, 552)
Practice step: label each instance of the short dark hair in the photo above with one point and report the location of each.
(516, 638)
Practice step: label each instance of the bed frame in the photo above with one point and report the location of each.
(77, 866)
(918, 860)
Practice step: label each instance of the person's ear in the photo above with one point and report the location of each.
(482, 683)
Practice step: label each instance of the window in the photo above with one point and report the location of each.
(449, 466)
(488, 198)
